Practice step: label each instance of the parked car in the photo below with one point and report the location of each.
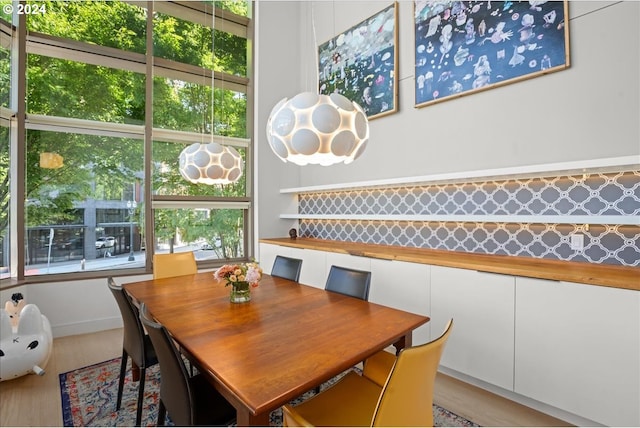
(208, 246)
(105, 242)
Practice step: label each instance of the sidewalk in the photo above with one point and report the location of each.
(119, 261)
(102, 263)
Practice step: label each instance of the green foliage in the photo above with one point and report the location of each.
(5, 76)
(107, 23)
(239, 7)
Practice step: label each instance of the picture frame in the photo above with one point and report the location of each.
(360, 63)
(465, 47)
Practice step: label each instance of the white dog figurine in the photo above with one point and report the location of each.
(13, 308)
(26, 348)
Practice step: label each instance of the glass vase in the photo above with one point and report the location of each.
(240, 292)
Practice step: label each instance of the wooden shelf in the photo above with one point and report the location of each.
(556, 270)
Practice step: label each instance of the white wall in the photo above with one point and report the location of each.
(588, 111)
(74, 307)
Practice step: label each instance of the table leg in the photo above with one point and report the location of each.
(246, 419)
(404, 342)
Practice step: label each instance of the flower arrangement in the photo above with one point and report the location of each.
(250, 273)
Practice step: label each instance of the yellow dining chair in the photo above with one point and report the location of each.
(405, 397)
(174, 264)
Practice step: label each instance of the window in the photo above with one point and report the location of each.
(108, 112)
(212, 233)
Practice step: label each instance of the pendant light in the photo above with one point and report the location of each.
(311, 128)
(50, 160)
(210, 163)
(317, 129)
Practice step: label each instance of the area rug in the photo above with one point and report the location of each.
(89, 399)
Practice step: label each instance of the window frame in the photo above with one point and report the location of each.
(25, 42)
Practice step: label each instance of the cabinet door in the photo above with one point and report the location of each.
(481, 344)
(578, 348)
(404, 286)
(348, 261)
(268, 253)
(314, 270)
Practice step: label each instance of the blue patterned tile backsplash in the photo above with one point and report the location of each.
(596, 194)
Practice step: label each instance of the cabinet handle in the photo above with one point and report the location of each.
(495, 273)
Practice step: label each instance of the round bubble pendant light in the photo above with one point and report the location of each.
(317, 129)
(210, 164)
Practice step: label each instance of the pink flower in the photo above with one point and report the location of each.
(231, 274)
(253, 276)
(224, 271)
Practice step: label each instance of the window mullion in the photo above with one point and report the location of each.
(73, 50)
(198, 75)
(17, 150)
(148, 138)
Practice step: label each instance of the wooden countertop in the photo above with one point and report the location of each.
(580, 272)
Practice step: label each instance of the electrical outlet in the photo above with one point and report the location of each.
(577, 241)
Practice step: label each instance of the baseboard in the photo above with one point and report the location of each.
(84, 327)
(521, 399)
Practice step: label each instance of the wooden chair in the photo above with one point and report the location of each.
(348, 281)
(174, 264)
(404, 397)
(188, 400)
(136, 344)
(287, 267)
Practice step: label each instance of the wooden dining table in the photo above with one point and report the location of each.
(286, 341)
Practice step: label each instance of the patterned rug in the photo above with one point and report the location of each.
(89, 397)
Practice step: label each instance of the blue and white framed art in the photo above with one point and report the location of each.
(462, 47)
(360, 63)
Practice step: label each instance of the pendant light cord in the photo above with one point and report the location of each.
(316, 53)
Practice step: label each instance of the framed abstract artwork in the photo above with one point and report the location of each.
(360, 63)
(462, 47)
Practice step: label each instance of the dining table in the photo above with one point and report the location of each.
(288, 339)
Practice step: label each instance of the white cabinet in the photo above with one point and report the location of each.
(314, 270)
(482, 307)
(268, 253)
(578, 349)
(404, 286)
(348, 261)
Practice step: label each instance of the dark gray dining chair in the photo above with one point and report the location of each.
(287, 267)
(351, 282)
(135, 344)
(189, 400)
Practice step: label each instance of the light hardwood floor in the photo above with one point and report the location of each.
(35, 400)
